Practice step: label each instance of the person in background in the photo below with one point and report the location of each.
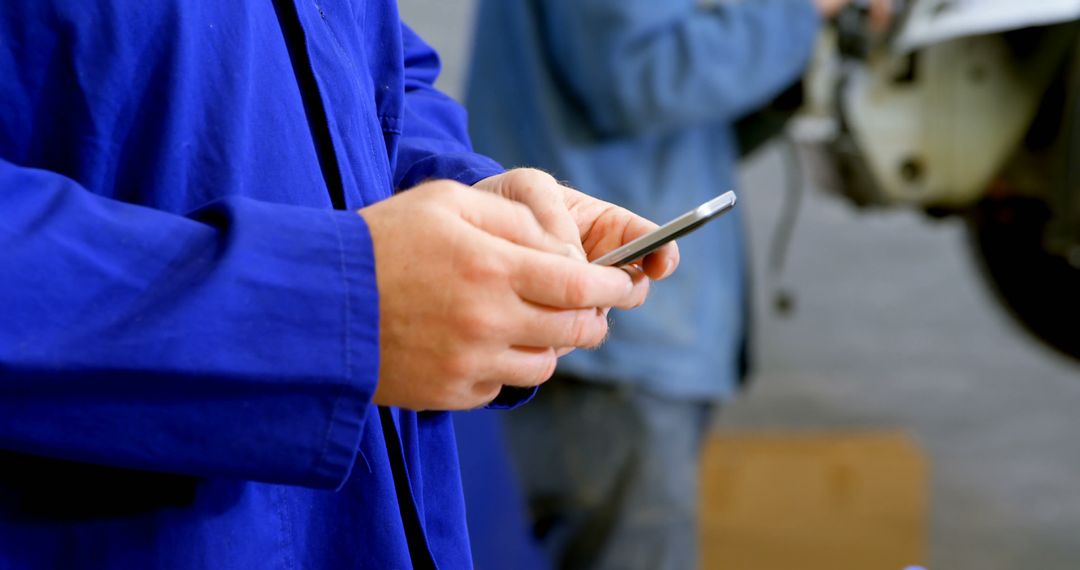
(224, 341)
(635, 101)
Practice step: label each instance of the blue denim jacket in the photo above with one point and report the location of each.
(633, 101)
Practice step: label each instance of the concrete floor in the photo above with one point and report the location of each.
(893, 328)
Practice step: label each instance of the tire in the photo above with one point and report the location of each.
(1040, 289)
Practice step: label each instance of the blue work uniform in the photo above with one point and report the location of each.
(189, 315)
(633, 101)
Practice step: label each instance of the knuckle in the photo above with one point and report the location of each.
(453, 397)
(584, 329)
(484, 393)
(539, 186)
(526, 188)
(474, 323)
(537, 177)
(523, 215)
(526, 222)
(477, 268)
(435, 209)
(438, 187)
(547, 368)
(577, 289)
(457, 368)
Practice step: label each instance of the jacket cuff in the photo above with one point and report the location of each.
(464, 167)
(361, 349)
(511, 397)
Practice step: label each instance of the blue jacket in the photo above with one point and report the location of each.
(188, 309)
(633, 101)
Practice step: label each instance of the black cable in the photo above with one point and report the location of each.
(784, 231)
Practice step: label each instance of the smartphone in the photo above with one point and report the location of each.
(676, 228)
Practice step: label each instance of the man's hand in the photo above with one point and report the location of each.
(475, 294)
(592, 226)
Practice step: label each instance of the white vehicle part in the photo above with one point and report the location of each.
(939, 139)
(936, 21)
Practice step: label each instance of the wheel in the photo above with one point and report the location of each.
(1041, 290)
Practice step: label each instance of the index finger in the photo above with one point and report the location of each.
(658, 264)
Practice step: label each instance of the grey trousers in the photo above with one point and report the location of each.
(611, 474)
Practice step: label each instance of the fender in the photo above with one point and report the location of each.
(940, 21)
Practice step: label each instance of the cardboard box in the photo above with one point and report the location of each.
(833, 501)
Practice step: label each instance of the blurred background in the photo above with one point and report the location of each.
(896, 379)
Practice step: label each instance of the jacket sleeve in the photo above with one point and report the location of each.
(434, 139)
(238, 341)
(641, 65)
